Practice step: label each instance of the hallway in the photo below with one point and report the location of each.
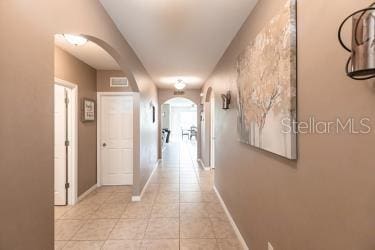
(179, 210)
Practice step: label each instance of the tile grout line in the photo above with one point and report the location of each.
(181, 163)
(90, 218)
(152, 208)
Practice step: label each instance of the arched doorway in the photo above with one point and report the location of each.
(179, 126)
(209, 128)
(82, 72)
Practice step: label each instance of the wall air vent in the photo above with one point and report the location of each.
(179, 92)
(119, 82)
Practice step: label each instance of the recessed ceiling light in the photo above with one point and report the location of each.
(75, 40)
(180, 85)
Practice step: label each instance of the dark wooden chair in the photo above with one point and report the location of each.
(193, 132)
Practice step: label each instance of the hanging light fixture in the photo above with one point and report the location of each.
(180, 85)
(75, 40)
(361, 63)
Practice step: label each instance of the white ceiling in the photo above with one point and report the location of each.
(90, 53)
(179, 38)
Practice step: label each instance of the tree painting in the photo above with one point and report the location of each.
(266, 82)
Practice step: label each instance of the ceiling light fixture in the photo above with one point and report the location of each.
(186, 79)
(75, 40)
(180, 85)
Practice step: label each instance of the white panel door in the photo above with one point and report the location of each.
(60, 149)
(116, 128)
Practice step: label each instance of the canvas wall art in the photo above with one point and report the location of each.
(266, 83)
(88, 110)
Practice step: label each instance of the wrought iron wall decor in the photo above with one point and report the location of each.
(361, 63)
(226, 100)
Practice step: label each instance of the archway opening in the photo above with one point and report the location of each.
(208, 140)
(90, 87)
(179, 127)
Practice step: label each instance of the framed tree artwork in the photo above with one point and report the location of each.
(266, 84)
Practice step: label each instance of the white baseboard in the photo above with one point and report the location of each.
(139, 197)
(238, 233)
(200, 161)
(82, 196)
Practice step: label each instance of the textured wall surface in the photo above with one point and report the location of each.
(26, 106)
(71, 69)
(103, 83)
(325, 199)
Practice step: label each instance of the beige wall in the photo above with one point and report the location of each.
(148, 150)
(325, 200)
(70, 69)
(191, 94)
(103, 81)
(26, 108)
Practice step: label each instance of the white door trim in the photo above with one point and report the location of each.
(73, 157)
(98, 134)
(212, 131)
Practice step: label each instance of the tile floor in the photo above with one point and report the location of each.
(179, 210)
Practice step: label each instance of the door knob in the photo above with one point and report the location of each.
(104, 144)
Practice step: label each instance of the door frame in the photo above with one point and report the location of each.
(98, 130)
(212, 131)
(73, 157)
